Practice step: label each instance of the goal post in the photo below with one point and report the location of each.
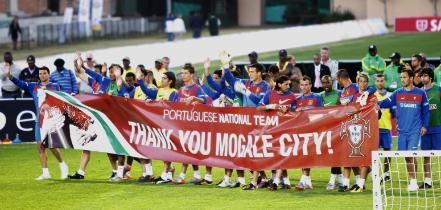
(393, 193)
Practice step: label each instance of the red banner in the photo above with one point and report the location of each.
(236, 137)
(418, 24)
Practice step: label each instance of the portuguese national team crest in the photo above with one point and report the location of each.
(356, 129)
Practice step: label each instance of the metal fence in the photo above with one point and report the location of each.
(51, 34)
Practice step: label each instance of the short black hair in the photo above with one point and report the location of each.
(409, 72)
(306, 78)
(118, 66)
(218, 72)
(259, 67)
(145, 72)
(189, 67)
(45, 68)
(418, 57)
(281, 80)
(171, 76)
(274, 69)
(130, 74)
(343, 74)
(98, 66)
(429, 72)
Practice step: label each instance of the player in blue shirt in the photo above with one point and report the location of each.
(412, 119)
(32, 88)
(252, 90)
(220, 86)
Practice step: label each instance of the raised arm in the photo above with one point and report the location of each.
(151, 93)
(212, 94)
(22, 84)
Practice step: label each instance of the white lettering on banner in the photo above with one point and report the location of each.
(435, 25)
(237, 119)
(224, 118)
(196, 142)
(242, 146)
(148, 136)
(317, 139)
(20, 120)
(231, 144)
(266, 120)
(191, 116)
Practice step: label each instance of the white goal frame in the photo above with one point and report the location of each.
(377, 163)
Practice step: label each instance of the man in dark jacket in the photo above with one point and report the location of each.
(316, 72)
(14, 29)
(213, 24)
(196, 24)
(29, 74)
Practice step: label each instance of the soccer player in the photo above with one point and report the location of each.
(362, 97)
(282, 99)
(432, 139)
(141, 76)
(146, 77)
(250, 91)
(346, 96)
(385, 122)
(112, 85)
(191, 93)
(330, 98)
(32, 88)
(166, 92)
(217, 83)
(307, 100)
(412, 118)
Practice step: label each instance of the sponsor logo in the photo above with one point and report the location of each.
(283, 101)
(404, 105)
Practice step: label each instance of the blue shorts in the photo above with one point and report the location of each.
(408, 141)
(37, 132)
(385, 140)
(431, 141)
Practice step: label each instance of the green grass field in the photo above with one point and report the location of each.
(355, 49)
(19, 164)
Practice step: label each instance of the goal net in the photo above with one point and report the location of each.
(391, 186)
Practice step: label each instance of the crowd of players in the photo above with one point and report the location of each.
(409, 93)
